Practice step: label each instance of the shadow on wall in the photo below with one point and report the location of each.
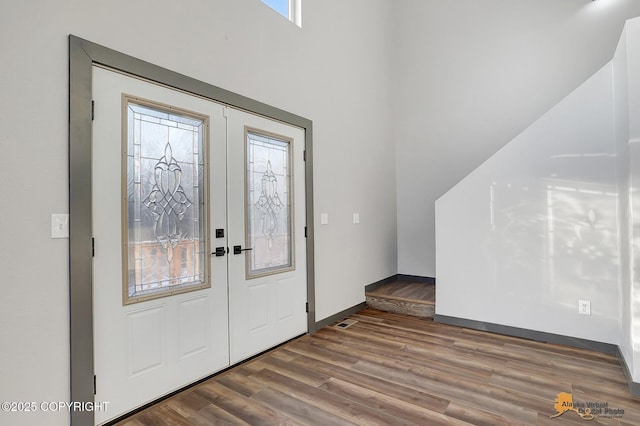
(568, 247)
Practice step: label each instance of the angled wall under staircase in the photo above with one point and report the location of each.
(553, 218)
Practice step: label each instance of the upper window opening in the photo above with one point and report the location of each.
(290, 9)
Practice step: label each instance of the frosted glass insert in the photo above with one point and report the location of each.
(165, 208)
(268, 205)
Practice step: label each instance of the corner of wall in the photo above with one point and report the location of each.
(627, 112)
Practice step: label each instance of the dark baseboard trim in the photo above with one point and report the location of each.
(340, 315)
(415, 279)
(634, 387)
(524, 333)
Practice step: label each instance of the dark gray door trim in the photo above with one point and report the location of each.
(83, 55)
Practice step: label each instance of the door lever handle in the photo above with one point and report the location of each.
(220, 251)
(239, 249)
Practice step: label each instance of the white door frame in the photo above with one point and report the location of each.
(83, 55)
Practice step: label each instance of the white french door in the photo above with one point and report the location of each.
(148, 349)
(178, 181)
(267, 278)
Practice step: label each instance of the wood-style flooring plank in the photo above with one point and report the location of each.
(346, 409)
(300, 410)
(481, 396)
(246, 409)
(213, 415)
(378, 384)
(394, 407)
(161, 415)
(476, 416)
(293, 371)
(240, 383)
(397, 369)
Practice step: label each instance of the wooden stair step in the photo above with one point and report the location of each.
(417, 299)
(415, 308)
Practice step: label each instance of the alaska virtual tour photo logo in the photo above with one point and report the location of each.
(587, 410)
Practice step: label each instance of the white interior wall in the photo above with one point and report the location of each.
(334, 71)
(468, 76)
(621, 135)
(631, 288)
(534, 229)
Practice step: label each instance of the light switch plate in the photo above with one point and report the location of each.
(59, 225)
(356, 218)
(324, 218)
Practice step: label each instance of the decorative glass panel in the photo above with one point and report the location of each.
(269, 217)
(165, 211)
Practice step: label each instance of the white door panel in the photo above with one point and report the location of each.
(269, 308)
(148, 349)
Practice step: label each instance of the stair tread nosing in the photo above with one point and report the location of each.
(398, 298)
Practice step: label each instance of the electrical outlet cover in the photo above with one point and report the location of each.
(584, 307)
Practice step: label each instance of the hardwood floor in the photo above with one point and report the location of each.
(401, 297)
(401, 370)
